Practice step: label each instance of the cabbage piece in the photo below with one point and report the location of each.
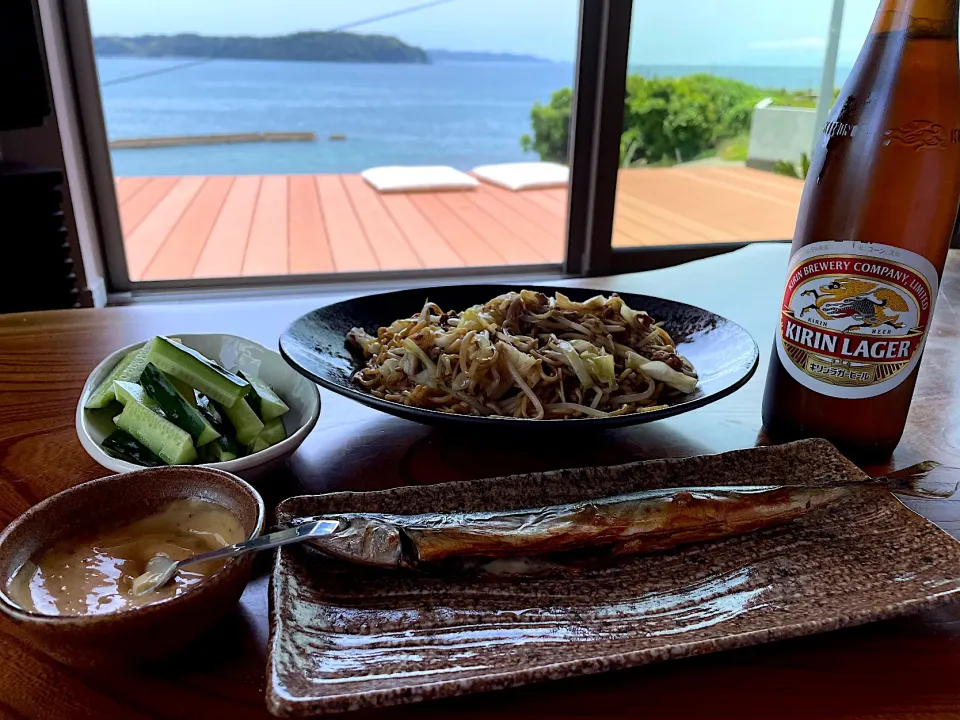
(522, 368)
(626, 312)
(576, 363)
(367, 342)
(629, 314)
(666, 374)
(527, 366)
(409, 363)
(601, 367)
(445, 340)
(425, 378)
(388, 367)
(584, 346)
(444, 366)
(661, 372)
(473, 318)
(424, 313)
(413, 349)
(398, 326)
(597, 302)
(486, 347)
(531, 298)
(598, 363)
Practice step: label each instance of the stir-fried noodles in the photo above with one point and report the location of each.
(526, 355)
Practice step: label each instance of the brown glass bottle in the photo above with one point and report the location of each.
(873, 230)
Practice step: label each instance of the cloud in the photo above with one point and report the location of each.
(801, 43)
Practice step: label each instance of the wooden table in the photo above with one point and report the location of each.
(906, 668)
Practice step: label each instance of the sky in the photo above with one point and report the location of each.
(663, 32)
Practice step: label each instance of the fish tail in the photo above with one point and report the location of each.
(919, 480)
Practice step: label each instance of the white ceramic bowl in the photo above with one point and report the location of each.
(230, 351)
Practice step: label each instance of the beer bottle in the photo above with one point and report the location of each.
(872, 235)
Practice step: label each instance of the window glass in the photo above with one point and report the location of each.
(720, 117)
(240, 130)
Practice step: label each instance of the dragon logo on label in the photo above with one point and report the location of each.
(852, 323)
(869, 304)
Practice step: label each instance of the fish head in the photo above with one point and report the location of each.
(363, 539)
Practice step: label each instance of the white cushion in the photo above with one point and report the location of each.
(524, 176)
(417, 178)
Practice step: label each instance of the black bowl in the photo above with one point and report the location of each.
(723, 353)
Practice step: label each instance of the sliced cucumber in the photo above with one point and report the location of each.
(272, 433)
(186, 392)
(126, 447)
(126, 391)
(264, 401)
(176, 409)
(197, 371)
(258, 444)
(223, 450)
(209, 411)
(127, 370)
(244, 421)
(104, 394)
(173, 445)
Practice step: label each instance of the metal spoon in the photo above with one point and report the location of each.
(161, 568)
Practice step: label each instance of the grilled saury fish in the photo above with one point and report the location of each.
(646, 521)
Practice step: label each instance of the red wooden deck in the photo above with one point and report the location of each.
(196, 227)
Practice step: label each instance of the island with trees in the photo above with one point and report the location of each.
(302, 46)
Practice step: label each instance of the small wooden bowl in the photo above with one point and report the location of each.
(136, 635)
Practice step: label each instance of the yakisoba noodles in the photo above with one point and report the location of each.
(526, 355)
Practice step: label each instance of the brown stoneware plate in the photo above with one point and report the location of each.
(723, 353)
(345, 637)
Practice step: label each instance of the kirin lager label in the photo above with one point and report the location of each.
(855, 317)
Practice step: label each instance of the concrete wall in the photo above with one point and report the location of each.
(780, 133)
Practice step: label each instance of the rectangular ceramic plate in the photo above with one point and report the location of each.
(345, 637)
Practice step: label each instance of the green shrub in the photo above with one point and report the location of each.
(664, 119)
(794, 170)
(551, 128)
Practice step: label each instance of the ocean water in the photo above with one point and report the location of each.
(462, 114)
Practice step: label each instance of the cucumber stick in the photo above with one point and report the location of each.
(104, 394)
(175, 408)
(209, 411)
(173, 445)
(127, 370)
(244, 421)
(258, 444)
(265, 402)
(126, 391)
(197, 371)
(186, 392)
(123, 445)
(272, 433)
(223, 450)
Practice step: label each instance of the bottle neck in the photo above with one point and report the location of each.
(923, 17)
